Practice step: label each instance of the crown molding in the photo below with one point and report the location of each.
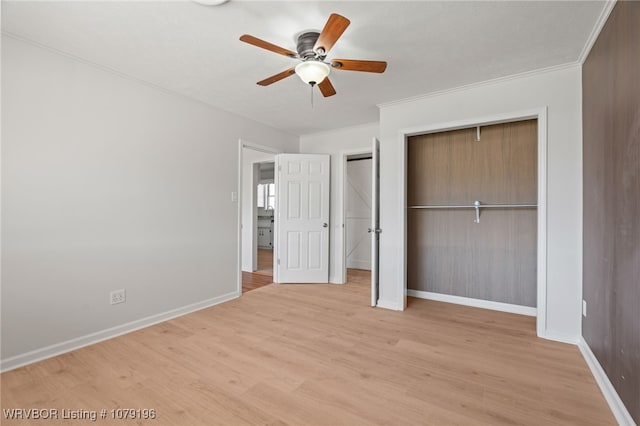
(131, 78)
(597, 28)
(490, 82)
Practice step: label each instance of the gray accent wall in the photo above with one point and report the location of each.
(611, 234)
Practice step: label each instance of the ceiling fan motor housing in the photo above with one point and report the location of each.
(306, 41)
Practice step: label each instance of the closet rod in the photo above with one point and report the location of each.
(482, 206)
(477, 205)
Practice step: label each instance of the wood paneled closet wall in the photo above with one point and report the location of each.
(448, 252)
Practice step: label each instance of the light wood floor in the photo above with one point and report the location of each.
(318, 354)
(252, 281)
(265, 261)
(263, 276)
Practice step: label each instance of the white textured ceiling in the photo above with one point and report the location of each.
(194, 50)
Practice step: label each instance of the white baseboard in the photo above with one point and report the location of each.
(387, 304)
(359, 264)
(89, 339)
(476, 303)
(558, 337)
(335, 280)
(613, 399)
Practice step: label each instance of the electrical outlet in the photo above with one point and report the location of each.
(118, 296)
(584, 308)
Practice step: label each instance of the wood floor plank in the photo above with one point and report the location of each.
(265, 261)
(252, 281)
(319, 355)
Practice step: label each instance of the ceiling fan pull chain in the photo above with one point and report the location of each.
(311, 85)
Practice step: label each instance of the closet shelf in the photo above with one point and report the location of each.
(483, 206)
(477, 205)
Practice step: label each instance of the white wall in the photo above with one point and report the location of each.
(348, 140)
(560, 91)
(108, 183)
(250, 178)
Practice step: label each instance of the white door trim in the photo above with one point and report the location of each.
(541, 115)
(260, 148)
(342, 208)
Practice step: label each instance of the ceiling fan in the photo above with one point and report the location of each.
(312, 49)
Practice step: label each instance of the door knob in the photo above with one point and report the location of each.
(325, 225)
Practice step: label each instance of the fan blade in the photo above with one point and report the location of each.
(355, 65)
(326, 88)
(277, 77)
(269, 46)
(333, 29)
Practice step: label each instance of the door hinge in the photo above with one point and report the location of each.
(278, 262)
(279, 168)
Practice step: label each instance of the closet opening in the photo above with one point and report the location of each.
(358, 209)
(475, 215)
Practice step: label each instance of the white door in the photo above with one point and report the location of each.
(302, 218)
(375, 220)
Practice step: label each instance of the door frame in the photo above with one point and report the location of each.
(541, 270)
(242, 144)
(342, 208)
(254, 189)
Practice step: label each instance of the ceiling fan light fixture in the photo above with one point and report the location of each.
(312, 72)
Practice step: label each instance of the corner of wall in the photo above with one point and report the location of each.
(597, 28)
(618, 408)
